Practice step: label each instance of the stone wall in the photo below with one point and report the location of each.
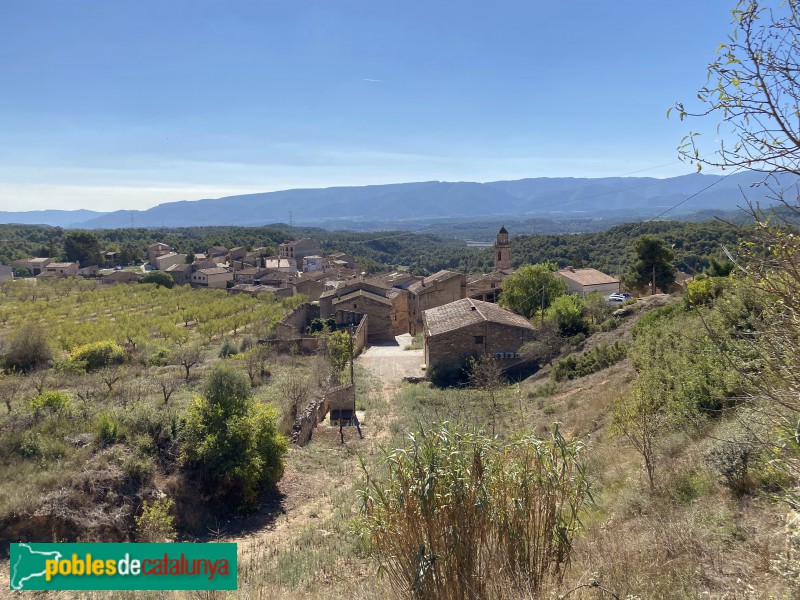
(293, 325)
(451, 349)
(360, 325)
(317, 410)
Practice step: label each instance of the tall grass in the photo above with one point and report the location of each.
(457, 511)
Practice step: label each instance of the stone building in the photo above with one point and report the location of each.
(217, 278)
(156, 250)
(33, 265)
(386, 307)
(299, 249)
(583, 281)
(487, 286)
(429, 292)
(165, 261)
(465, 328)
(63, 269)
(502, 251)
(180, 272)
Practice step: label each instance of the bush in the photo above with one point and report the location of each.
(228, 349)
(107, 428)
(596, 359)
(733, 458)
(159, 278)
(231, 440)
(52, 402)
(156, 524)
(97, 355)
(455, 505)
(28, 349)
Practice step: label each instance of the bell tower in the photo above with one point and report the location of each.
(502, 251)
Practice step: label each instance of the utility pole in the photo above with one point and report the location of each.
(543, 305)
(654, 280)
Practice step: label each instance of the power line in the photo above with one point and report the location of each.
(673, 207)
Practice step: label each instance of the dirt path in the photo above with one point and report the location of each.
(315, 476)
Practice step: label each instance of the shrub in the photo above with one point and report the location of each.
(596, 359)
(231, 440)
(97, 355)
(156, 524)
(228, 349)
(456, 506)
(107, 428)
(733, 458)
(27, 349)
(702, 292)
(159, 278)
(52, 402)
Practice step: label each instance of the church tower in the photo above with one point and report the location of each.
(502, 251)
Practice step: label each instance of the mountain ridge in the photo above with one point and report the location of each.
(642, 197)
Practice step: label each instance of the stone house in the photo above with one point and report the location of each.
(120, 277)
(249, 275)
(165, 261)
(314, 263)
(429, 292)
(63, 269)
(386, 307)
(181, 273)
(237, 254)
(156, 250)
(217, 252)
(33, 265)
(299, 249)
(91, 271)
(583, 281)
(466, 328)
(216, 278)
(285, 265)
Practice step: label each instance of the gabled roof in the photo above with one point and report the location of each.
(587, 276)
(214, 271)
(425, 283)
(467, 312)
(362, 294)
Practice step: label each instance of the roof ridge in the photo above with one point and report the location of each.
(483, 316)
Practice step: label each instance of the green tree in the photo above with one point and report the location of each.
(160, 278)
(83, 247)
(338, 345)
(531, 287)
(566, 313)
(654, 258)
(232, 440)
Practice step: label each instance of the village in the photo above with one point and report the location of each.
(456, 314)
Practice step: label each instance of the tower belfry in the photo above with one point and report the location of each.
(502, 251)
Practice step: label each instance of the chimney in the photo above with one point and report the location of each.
(473, 307)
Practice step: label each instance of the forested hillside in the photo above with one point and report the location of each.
(609, 250)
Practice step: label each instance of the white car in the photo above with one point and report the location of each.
(618, 297)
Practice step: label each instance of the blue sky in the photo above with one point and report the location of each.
(107, 105)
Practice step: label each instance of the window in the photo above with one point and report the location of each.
(356, 305)
(478, 339)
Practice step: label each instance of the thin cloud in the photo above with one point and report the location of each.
(374, 80)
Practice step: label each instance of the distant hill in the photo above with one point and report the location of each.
(553, 198)
(56, 218)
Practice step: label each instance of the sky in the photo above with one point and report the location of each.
(127, 104)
